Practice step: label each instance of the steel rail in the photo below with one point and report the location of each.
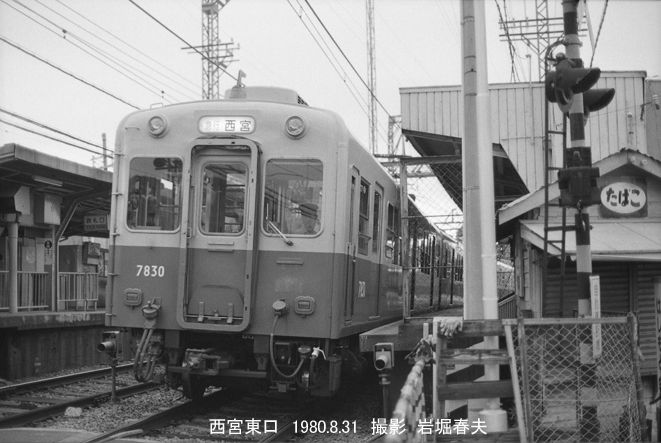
(157, 420)
(56, 409)
(60, 379)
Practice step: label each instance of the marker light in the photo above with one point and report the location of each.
(295, 127)
(157, 125)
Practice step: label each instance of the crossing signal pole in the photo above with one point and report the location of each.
(570, 87)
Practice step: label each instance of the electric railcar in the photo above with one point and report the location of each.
(251, 238)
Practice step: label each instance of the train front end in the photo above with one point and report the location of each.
(221, 223)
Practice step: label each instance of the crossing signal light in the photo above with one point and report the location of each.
(569, 78)
(596, 99)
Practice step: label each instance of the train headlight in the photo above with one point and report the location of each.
(157, 125)
(295, 127)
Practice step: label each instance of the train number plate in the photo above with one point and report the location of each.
(150, 271)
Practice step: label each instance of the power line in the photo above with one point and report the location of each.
(180, 38)
(335, 64)
(49, 137)
(120, 50)
(596, 40)
(52, 129)
(137, 50)
(343, 55)
(52, 65)
(141, 82)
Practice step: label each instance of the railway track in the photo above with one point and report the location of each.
(30, 402)
(221, 414)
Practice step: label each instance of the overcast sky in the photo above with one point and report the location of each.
(417, 44)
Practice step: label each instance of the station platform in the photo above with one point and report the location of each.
(405, 334)
(46, 435)
(34, 343)
(48, 319)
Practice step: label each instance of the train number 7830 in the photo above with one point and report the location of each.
(150, 271)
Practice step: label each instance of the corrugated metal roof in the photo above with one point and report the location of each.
(612, 240)
(517, 119)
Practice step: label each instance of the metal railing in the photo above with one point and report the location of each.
(34, 291)
(77, 291)
(507, 306)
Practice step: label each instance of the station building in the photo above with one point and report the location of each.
(625, 138)
(53, 232)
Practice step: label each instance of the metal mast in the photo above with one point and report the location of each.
(537, 33)
(215, 53)
(371, 76)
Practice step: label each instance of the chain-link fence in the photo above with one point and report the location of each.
(579, 379)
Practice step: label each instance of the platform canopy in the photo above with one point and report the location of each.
(84, 190)
(508, 185)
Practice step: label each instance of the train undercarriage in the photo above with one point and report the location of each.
(196, 361)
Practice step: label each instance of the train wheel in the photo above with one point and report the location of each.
(193, 386)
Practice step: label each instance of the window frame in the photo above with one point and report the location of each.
(199, 205)
(180, 204)
(262, 211)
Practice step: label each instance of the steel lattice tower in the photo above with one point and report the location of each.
(371, 76)
(216, 55)
(537, 33)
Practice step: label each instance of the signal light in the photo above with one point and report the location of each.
(569, 78)
(596, 99)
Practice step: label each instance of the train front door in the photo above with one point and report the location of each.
(221, 241)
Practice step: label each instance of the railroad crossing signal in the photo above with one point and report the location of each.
(569, 78)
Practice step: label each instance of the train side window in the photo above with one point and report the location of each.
(392, 240)
(154, 194)
(376, 222)
(293, 196)
(223, 198)
(364, 218)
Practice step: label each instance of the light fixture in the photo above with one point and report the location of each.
(157, 125)
(47, 181)
(295, 127)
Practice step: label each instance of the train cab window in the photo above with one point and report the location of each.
(364, 218)
(223, 198)
(154, 194)
(293, 197)
(392, 240)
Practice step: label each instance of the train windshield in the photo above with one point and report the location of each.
(292, 196)
(154, 194)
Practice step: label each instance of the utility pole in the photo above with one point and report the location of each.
(570, 87)
(215, 53)
(105, 152)
(480, 292)
(371, 76)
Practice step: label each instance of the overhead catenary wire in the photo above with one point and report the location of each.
(191, 87)
(182, 39)
(115, 67)
(50, 137)
(64, 71)
(596, 40)
(127, 66)
(335, 64)
(345, 57)
(42, 125)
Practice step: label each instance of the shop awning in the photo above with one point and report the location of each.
(615, 240)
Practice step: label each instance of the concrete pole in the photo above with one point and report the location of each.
(13, 266)
(480, 293)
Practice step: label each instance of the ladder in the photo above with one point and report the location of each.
(454, 351)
